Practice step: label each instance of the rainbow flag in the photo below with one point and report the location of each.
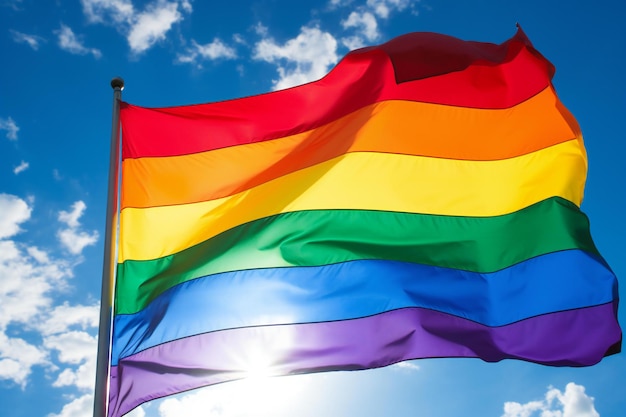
(420, 201)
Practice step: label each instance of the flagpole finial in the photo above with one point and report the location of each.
(117, 83)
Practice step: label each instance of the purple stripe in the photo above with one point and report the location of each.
(570, 338)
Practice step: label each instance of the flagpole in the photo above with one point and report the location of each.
(101, 392)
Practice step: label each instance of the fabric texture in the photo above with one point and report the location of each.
(422, 200)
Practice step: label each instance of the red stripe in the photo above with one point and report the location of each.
(442, 70)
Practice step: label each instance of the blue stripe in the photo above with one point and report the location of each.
(554, 282)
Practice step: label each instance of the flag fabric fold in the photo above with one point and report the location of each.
(422, 200)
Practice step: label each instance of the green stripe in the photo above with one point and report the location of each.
(320, 237)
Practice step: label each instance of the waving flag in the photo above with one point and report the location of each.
(420, 201)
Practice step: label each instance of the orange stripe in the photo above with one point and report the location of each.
(423, 67)
(388, 127)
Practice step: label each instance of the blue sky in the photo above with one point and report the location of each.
(55, 116)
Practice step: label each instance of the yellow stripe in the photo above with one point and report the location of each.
(401, 127)
(369, 181)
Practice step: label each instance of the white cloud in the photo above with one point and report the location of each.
(75, 348)
(28, 276)
(38, 255)
(64, 317)
(365, 22)
(382, 8)
(200, 403)
(265, 397)
(137, 412)
(305, 58)
(31, 40)
(33, 331)
(333, 4)
(71, 218)
(25, 285)
(68, 41)
(407, 366)
(239, 39)
(9, 252)
(13, 212)
(142, 29)
(513, 409)
(151, 25)
(78, 407)
(186, 5)
(261, 30)
(574, 402)
(213, 50)
(240, 70)
(23, 166)
(353, 42)
(73, 239)
(99, 11)
(11, 128)
(17, 357)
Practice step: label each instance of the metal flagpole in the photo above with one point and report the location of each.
(101, 393)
